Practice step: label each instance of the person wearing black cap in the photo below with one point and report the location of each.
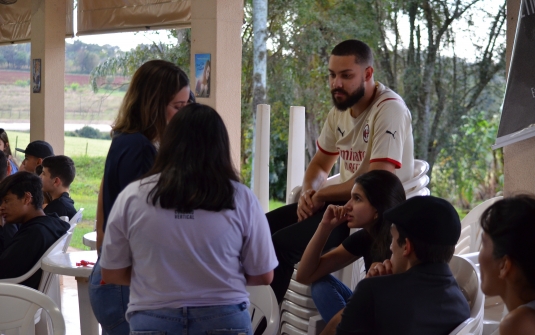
(34, 154)
(414, 292)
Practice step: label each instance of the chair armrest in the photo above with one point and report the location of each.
(294, 195)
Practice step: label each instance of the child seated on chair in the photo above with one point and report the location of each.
(414, 292)
(21, 199)
(58, 174)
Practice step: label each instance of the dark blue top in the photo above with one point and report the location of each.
(130, 157)
(422, 300)
(62, 206)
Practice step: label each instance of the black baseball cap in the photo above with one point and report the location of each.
(39, 149)
(427, 218)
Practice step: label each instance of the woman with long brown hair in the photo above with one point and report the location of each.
(158, 90)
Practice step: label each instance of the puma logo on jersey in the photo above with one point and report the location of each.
(341, 132)
(393, 134)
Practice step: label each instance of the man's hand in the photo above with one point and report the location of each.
(308, 205)
(380, 269)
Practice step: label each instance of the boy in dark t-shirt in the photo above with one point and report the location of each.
(58, 174)
(21, 199)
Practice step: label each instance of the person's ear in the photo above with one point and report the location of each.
(368, 73)
(505, 267)
(27, 198)
(57, 181)
(39, 161)
(408, 248)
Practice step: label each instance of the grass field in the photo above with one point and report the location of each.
(81, 104)
(74, 146)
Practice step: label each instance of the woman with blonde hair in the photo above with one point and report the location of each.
(507, 262)
(158, 90)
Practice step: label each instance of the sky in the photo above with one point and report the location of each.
(125, 41)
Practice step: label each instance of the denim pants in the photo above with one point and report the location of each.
(109, 303)
(330, 295)
(217, 320)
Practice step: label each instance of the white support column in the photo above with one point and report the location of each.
(47, 112)
(296, 149)
(261, 163)
(216, 30)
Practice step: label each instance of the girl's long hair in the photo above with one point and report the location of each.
(384, 191)
(510, 223)
(194, 163)
(152, 88)
(7, 145)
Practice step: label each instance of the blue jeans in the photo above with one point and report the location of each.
(220, 320)
(330, 295)
(109, 303)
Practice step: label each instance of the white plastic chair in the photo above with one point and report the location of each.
(494, 309)
(466, 275)
(470, 239)
(76, 219)
(263, 307)
(18, 306)
(418, 180)
(421, 192)
(49, 283)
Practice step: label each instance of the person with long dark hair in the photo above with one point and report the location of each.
(189, 237)
(506, 260)
(158, 90)
(373, 193)
(6, 148)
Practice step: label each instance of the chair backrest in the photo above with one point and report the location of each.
(264, 309)
(466, 276)
(54, 249)
(470, 239)
(417, 181)
(18, 307)
(421, 192)
(77, 217)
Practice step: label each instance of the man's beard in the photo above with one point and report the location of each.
(351, 99)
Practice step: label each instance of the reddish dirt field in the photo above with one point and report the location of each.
(11, 76)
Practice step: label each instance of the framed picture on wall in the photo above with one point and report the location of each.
(36, 75)
(203, 68)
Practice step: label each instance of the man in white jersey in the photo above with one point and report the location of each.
(369, 128)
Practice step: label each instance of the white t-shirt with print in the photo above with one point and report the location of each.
(186, 259)
(383, 132)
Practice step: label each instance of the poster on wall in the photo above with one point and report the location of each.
(202, 75)
(36, 76)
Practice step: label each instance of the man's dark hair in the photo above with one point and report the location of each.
(362, 52)
(3, 165)
(22, 182)
(62, 167)
(426, 252)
